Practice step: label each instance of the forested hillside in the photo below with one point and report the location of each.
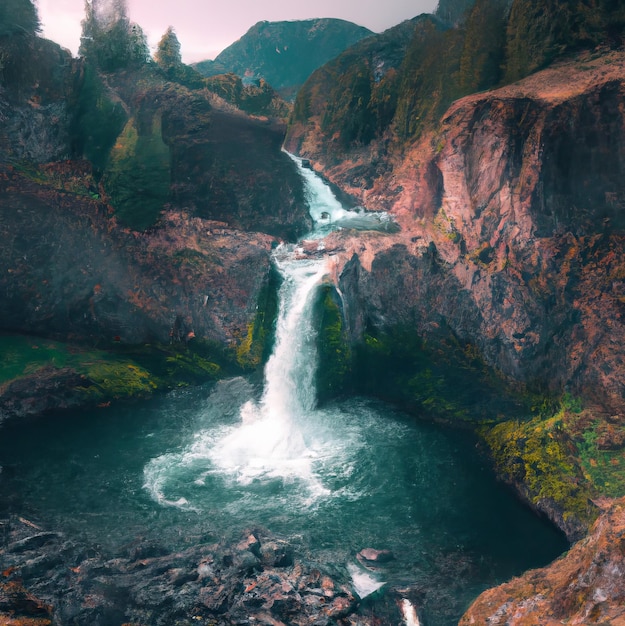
(465, 47)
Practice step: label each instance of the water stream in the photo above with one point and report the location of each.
(214, 460)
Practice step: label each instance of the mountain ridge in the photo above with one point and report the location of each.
(284, 53)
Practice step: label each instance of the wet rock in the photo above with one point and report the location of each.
(218, 583)
(371, 555)
(276, 554)
(146, 550)
(251, 543)
(33, 542)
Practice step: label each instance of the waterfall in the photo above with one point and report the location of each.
(279, 437)
(271, 441)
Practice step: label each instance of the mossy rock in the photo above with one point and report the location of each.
(540, 459)
(334, 363)
(118, 373)
(255, 347)
(442, 378)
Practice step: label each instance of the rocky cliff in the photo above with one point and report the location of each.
(583, 587)
(134, 211)
(509, 261)
(510, 216)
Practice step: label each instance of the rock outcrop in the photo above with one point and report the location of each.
(585, 586)
(51, 580)
(73, 274)
(133, 210)
(511, 232)
(511, 255)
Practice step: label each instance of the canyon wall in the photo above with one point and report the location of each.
(511, 232)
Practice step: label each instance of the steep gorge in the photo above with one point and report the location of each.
(510, 256)
(500, 299)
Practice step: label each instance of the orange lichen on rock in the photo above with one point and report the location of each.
(585, 586)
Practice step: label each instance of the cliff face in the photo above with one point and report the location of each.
(511, 232)
(74, 274)
(512, 255)
(36, 83)
(583, 587)
(132, 210)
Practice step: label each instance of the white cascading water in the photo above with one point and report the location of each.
(270, 440)
(276, 437)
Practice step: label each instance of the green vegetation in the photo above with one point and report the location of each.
(109, 41)
(429, 80)
(137, 178)
(453, 12)
(381, 89)
(168, 51)
(565, 454)
(443, 378)
(538, 455)
(540, 32)
(98, 120)
(18, 17)
(284, 53)
(255, 348)
(483, 57)
(120, 372)
(604, 468)
(334, 353)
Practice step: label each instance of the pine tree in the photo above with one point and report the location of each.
(18, 17)
(168, 52)
(484, 46)
(109, 39)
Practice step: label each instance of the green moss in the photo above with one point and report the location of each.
(117, 379)
(334, 353)
(550, 460)
(122, 372)
(23, 355)
(255, 347)
(443, 378)
(603, 468)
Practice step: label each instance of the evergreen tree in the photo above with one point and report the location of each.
(168, 52)
(453, 12)
(484, 46)
(18, 17)
(109, 39)
(539, 31)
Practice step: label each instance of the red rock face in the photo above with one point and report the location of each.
(513, 238)
(512, 233)
(583, 587)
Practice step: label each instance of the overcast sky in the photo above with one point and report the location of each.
(205, 27)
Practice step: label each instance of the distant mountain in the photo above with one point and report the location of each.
(285, 54)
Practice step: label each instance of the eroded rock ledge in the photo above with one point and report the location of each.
(49, 579)
(512, 253)
(585, 586)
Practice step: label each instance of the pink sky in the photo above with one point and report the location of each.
(204, 28)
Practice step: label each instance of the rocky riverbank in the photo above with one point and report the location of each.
(52, 580)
